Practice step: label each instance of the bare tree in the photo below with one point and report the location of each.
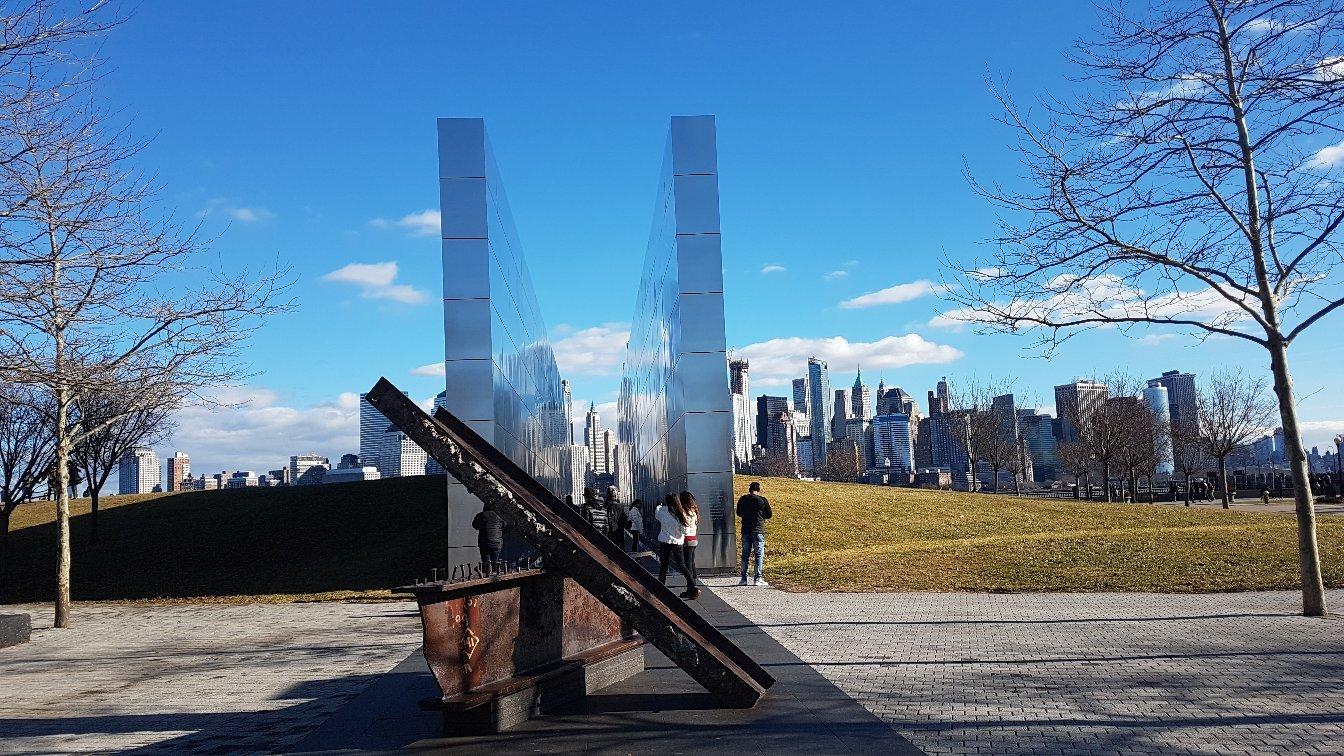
(842, 463)
(1187, 451)
(81, 308)
(133, 423)
(27, 447)
(1185, 191)
(1233, 408)
(1076, 459)
(1139, 433)
(774, 465)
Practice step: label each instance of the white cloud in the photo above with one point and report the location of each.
(850, 264)
(773, 268)
(229, 209)
(895, 294)
(425, 222)
(432, 370)
(835, 275)
(1103, 296)
(377, 281)
(1330, 69)
(594, 351)
(1158, 338)
(249, 429)
(777, 361)
(1320, 433)
(1327, 157)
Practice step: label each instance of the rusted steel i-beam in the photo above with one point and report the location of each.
(577, 549)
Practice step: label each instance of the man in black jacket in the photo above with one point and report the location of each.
(489, 535)
(754, 510)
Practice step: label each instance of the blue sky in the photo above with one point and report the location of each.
(303, 134)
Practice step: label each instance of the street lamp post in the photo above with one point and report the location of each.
(1339, 466)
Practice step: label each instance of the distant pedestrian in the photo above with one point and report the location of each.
(611, 501)
(635, 522)
(689, 538)
(569, 501)
(754, 510)
(1264, 496)
(594, 511)
(489, 536)
(671, 536)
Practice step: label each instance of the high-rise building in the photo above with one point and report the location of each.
(1158, 400)
(860, 399)
(432, 466)
(893, 444)
(580, 474)
(945, 393)
(744, 436)
(308, 469)
(1181, 397)
(807, 461)
(1038, 436)
(923, 442)
(1075, 403)
(401, 457)
(859, 431)
(242, 479)
(378, 437)
(598, 443)
(1004, 409)
(138, 471)
(802, 395)
(179, 469)
(569, 411)
(820, 410)
(768, 411)
(841, 410)
(738, 382)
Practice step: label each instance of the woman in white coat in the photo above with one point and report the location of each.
(671, 536)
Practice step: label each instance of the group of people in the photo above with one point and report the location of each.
(678, 518)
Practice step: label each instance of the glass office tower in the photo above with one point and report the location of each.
(675, 411)
(500, 372)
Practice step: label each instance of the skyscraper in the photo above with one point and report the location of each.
(1038, 435)
(1075, 402)
(138, 471)
(737, 371)
(432, 466)
(861, 400)
(860, 432)
(401, 456)
(599, 446)
(893, 445)
(945, 393)
(579, 471)
(768, 411)
(377, 437)
(1180, 395)
(841, 410)
(802, 395)
(179, 468)
(1159, 403)
(819, 411)
(569, 412)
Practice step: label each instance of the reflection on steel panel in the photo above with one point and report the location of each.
(674, 405)
(500, 371)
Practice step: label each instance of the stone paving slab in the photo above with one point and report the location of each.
(193, 677)
(1073, 673)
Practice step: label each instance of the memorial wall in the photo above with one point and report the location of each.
(675, 412)
(499, 369)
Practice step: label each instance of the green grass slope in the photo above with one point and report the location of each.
(844, 537)
(340, 540)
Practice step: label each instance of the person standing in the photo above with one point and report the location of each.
(671, 536)
(689, 539)
(489, 535)
(594, 511)
(635, 518)
(754, 510)
(611, 501)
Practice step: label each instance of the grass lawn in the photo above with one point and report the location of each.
(846, 537)
(345, 540)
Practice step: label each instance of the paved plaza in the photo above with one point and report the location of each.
(1074, 673)
(946, 673)
(193, 677)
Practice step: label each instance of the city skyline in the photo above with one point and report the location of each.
(363, 236)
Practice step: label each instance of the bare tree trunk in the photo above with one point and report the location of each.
(1106, 481)
(93, 515)
(1187, 489)
(1222, 480)
(1313, 587)
(996, 480)
(62, 508)
(4, 551)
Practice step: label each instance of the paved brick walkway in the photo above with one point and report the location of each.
(193, 677)
(1074, 673)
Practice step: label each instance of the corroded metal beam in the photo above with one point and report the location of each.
(577, 549)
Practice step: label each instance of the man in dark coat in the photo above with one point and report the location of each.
(489, 535)
(754, 510)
